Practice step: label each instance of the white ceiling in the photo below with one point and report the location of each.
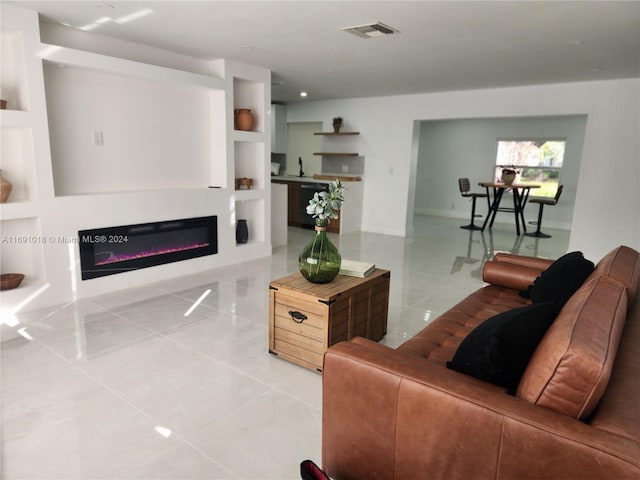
(442, 45)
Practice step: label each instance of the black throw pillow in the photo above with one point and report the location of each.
(561, 280)
(526, 293)
(499, 349)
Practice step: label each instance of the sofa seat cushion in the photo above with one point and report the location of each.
(571, 367)
(440, 339)
(499, 349)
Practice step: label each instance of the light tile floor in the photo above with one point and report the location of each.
(124, 386)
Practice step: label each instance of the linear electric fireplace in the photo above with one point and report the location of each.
(106, 251)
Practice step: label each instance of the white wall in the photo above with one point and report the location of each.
(608, 189)
(302, 143)
(155, 136)
(450, 149)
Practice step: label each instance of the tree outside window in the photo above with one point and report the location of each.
(536, 161)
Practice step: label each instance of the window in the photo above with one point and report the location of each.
(536, 161)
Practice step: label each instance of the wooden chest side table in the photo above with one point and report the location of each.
(307, 318)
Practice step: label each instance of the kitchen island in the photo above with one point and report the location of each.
(299, 189)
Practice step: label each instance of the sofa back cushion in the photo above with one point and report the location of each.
(570, 369)
(623, 265)
(619, 411)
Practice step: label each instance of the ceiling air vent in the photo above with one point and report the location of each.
(371, 30)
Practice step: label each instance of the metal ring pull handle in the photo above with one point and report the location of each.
(297, 316)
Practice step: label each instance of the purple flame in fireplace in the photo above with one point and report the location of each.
(124, 257)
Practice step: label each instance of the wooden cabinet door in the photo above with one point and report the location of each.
(294, 204)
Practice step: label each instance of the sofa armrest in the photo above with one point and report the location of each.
(388, 415)
(513, 271)
(509, 275)
(523, 260)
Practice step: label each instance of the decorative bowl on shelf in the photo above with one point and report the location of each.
(244, 183)
(9, 281)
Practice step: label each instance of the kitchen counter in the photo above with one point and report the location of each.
(326, 178)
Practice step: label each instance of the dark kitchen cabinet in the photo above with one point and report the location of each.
(295, 207)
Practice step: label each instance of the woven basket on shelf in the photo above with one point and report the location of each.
(10, 280)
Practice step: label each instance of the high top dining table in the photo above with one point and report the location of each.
(520, 197)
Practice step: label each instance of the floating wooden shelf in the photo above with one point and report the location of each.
(336, 154)
(337, 133)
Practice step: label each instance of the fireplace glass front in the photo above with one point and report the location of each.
(111, 250)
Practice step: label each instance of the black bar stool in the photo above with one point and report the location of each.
(465, 191)
(542, 202)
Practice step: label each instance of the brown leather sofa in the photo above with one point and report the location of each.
(402, 414)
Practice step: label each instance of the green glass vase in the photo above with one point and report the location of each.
(319, 261)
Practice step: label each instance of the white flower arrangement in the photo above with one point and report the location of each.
(325, 205)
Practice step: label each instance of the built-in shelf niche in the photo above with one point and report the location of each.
(249, 162)
(156, 135)
(13, 81)
(250, 94)
(21, 250)
(252, 211)
(17, 163)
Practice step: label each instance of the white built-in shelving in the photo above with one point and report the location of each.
(156, 166)
(251, 153)
(24, 143)
(233, 153)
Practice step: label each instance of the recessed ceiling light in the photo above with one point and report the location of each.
(246, 47)
(597, 69)
(576, 43)
(105, 5)
(303, 94)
